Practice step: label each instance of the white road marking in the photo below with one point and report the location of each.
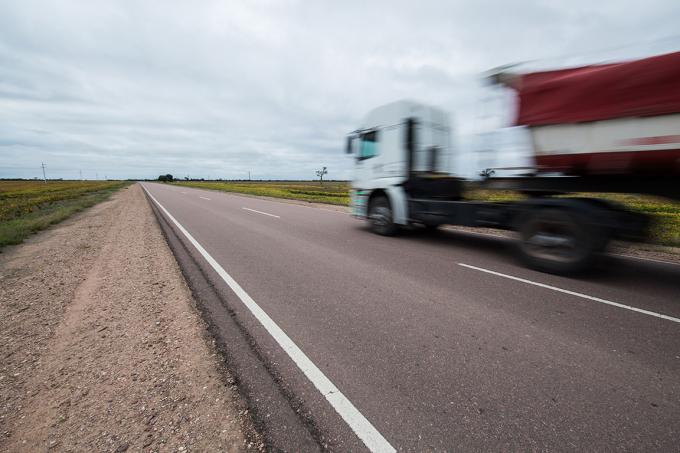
(370, 436)
(311, 206)
(263, 213)
(574, 293)
(205, 198)
(185, 193)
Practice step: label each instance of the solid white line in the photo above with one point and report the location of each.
(370, 436)
(205, 198)
(574, 293)
(260, 212)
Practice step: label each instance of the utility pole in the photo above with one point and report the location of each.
(81, 174)
(96, 175)
(43, 169)
(248, 176)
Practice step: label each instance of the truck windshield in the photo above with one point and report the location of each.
(368, 146)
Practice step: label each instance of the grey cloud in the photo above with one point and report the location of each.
(135, 89)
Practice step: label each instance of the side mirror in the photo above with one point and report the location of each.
(348, 148)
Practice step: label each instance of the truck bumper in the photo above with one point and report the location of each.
(358, 203)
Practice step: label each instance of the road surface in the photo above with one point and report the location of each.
(441, 342)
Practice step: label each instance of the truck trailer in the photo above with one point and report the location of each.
(601, 128)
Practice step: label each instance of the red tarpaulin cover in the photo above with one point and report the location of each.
(646, 87)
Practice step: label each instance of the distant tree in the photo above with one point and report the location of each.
(162, 178)
(487, 173)
(320, 174)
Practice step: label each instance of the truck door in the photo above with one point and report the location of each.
(368, 149)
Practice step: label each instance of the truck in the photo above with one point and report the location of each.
(598, 129)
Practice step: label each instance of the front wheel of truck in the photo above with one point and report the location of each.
(380, 217)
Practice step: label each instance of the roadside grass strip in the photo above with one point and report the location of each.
(30, 206)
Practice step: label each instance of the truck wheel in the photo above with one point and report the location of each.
(380, 217)
(556, 241)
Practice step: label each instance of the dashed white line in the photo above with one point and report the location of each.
(310, 207)
(574, 293)
(205, 198)
(370, 436)
(263, 213)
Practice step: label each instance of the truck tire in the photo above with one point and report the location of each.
(380, 217)
(557, 241)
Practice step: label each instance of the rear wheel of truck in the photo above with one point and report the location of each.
(557, 241)
(380, 217)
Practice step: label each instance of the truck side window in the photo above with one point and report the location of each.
(368, 147)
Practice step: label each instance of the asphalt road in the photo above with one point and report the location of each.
(443, 342)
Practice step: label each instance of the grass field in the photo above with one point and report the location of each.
(331, 192)
(30, 206)
(665, 213)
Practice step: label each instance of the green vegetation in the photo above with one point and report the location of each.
(331, 192)
(665, 215)
(30, 206)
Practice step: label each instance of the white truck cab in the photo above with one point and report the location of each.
(395, 142)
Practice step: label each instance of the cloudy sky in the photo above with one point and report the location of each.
(215, 89)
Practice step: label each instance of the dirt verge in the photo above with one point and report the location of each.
(102, 347)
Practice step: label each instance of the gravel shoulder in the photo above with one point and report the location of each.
(102, 347)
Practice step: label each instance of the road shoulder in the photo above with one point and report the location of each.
(103, 347)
